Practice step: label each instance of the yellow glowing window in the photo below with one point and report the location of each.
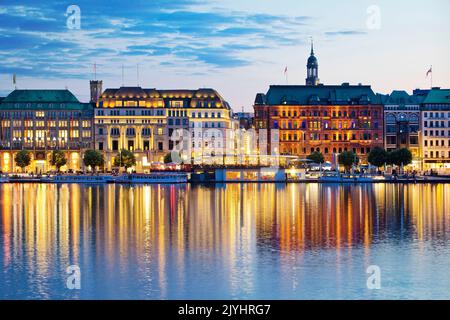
(74, 134)
(160, 131)
(130, 103)
(86, 134)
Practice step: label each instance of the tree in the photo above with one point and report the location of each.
(58, 159)
(93, 159)
(348, 159)
(377, 157)
(125, 159)
(400, 157)
(23, 159)
(316, 157)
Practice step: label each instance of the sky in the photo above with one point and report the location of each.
(238, 47)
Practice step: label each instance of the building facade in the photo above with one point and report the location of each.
(41, 121)
(436, 131)
(144, 121)
(402, 124)
(327, 119)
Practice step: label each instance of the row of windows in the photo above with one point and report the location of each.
(40, 114)
(436, 143)
(394, 108)
(131, 131)
(326, 137)
(50, 123)
(334, 125)
(316, 113)
(325, 150)
(206, 125)
(437, 154)
(435, 114)
(435, 124)
(435, 133)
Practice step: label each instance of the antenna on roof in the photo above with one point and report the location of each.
(95, 70)
(123, 76)
(137, 71)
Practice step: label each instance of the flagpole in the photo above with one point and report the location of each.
(431, 77)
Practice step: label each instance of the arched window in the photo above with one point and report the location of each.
(391, 118)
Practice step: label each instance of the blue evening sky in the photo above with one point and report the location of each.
(238, 47)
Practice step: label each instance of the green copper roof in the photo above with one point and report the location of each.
(441, 96)
(43, 100)
(320, 95)
(402, 98)
(41, 96)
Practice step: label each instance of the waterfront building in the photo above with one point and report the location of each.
(145, 120)
(327, 119)
(402, 125)
(436, 130)
(41, 121)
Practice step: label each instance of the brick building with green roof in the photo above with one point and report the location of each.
(41, 121)
(436, 131)
(329, 119)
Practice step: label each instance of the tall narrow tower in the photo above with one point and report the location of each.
(96, 90)
(312, 74)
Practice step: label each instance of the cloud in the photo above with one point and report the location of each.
(35, 38)
(344, 33)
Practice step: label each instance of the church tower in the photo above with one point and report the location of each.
(312, 74)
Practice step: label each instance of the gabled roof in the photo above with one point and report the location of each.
(438, 96)
(320, 95)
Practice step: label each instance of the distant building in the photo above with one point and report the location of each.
(144, 120)
(327, 119)
(436, 130)
(402, 123)
(41, 121)
(245, 119)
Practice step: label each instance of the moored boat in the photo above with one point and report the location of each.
(77, 179)
(152, 178)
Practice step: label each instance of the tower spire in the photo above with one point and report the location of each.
(312, 74)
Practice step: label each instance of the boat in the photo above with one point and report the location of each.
(77, 179)
(152, 178)
(4, 179)
(336, 178)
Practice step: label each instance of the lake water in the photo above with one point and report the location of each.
(231, 241)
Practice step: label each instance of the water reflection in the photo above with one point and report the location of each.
(233, 241)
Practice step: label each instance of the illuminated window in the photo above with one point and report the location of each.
(130, 104)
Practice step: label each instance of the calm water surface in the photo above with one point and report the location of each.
(224, 242)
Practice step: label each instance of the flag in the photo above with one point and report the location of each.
(430, 71)
(285, 70)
